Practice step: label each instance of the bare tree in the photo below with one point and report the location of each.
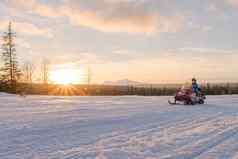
(45, 71)
(10, 72)
(28, 71)
(89, 76)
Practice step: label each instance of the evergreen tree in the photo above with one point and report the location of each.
(9, 72)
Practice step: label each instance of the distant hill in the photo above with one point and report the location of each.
(127, 82)
(123, 82)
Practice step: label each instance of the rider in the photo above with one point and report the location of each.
(195, 87)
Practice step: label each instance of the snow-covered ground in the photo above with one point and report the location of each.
(41, 127)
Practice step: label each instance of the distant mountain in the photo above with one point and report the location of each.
(123, 82)
(127, 82)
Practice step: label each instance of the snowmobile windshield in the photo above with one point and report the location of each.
(186, 87)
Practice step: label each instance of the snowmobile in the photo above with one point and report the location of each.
(188, 97)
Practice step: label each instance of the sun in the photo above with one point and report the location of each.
(65, 77)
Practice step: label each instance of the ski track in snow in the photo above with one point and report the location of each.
(129, 127)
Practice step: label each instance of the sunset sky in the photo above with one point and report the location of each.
(151, 41)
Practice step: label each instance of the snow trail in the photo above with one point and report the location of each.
(45, 127)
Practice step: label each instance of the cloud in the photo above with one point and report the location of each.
(234, 3)
(77, 58)
(212, 7)
(122, 16)
(23, 43)
(32, 6)
(106, 15)
(208, 51)
(201, 27)
(27, 29)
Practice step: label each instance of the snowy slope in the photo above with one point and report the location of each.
(38, 127)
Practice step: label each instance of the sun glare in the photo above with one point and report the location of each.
(65, 77)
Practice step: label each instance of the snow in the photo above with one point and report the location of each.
(45, 127)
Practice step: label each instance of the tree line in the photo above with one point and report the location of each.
(11, 73)
(110, 90)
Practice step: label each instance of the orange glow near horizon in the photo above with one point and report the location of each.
(65, 77)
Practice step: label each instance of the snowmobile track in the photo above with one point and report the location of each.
(117, 127)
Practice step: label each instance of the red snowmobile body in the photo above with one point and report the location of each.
(188, 97)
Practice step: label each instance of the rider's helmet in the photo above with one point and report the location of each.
(194, 80)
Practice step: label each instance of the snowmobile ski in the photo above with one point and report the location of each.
(172, 103)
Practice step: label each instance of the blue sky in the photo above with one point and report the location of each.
(145, 40)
